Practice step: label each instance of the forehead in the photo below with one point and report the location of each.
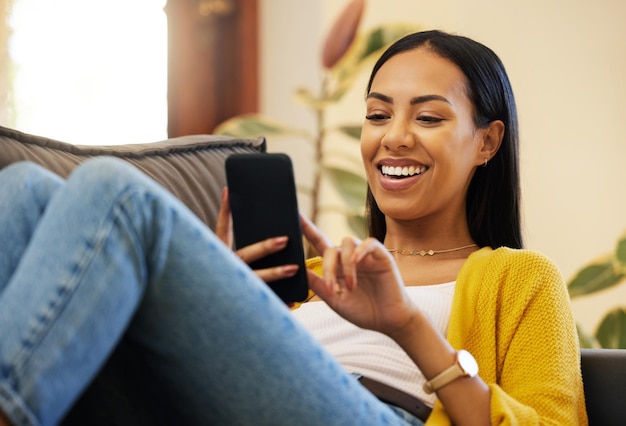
(420, 71)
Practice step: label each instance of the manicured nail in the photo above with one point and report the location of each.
(280, 241)
(289, 270)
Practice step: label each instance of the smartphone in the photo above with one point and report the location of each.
(264, 204)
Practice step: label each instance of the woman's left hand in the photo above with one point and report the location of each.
(361, 282)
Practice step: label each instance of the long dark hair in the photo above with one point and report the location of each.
(493, 198)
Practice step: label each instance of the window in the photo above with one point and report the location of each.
(89, 72)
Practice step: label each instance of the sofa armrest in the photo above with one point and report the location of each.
(604, 380)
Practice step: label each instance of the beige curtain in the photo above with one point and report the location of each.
(5, 32)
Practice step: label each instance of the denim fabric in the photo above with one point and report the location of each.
(409, 418)
(109, 254)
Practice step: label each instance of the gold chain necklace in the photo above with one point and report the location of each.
(428, 252)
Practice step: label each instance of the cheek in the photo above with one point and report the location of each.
(459, 160)
(369, 149)
(365, 151)
(369, 146)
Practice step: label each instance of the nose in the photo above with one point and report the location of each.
(398, 136)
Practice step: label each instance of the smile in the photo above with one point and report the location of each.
(402, 172)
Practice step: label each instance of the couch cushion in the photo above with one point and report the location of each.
(191, 167)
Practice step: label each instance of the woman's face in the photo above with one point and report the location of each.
(419, 143)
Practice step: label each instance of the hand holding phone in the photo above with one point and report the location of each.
(263, 203)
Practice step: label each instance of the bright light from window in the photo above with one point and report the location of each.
(90, 72)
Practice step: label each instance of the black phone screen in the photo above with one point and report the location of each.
(263, 201)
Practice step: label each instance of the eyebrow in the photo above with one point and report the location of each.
(414, 101)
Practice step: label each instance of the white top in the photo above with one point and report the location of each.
(373, 354)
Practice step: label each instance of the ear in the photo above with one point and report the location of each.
(490, 141)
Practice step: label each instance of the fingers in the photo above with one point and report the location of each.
(253, 252)
(339, 265)
(276, 273)
(347, 259)
(261, 249)
(318, 284)
(318, 240)
(373, 247)
(224, 226)
(329, 267)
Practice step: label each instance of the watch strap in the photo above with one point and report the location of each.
(451, 373)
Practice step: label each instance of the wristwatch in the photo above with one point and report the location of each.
(465, 366)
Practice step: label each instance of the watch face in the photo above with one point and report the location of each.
(468, 363)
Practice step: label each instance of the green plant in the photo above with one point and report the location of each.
(600, 274)
(345, 54)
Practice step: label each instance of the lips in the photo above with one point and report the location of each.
(399, 174)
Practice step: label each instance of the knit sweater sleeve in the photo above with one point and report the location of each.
(512, 311)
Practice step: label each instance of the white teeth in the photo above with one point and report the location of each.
(402, 171)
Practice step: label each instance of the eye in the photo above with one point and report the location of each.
(376, 117)
(429, 119)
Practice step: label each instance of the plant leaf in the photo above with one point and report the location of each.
(350, 186)
(612, 330)
(352, 131)
(369, 43)
(255, 125)
(304, 96)
(595, 277)
(365, 48)
(342, 33)
(620, 252)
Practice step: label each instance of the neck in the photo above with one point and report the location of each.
(421, 236)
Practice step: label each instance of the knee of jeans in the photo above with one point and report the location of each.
(105, 171)
(24, 171)
(29, 174)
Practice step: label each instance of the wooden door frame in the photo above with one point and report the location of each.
(212, 63)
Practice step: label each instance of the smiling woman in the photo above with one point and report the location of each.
(86, 72)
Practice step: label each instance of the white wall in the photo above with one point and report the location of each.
(567, 63)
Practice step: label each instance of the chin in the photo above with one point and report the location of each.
(398, 212)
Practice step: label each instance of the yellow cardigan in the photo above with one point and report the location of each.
(511, 310)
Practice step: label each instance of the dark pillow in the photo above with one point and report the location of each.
(191, 167)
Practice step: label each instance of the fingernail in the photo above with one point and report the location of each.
(279, 241)
(289, 270)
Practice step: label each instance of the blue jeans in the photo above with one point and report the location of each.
(109, 255)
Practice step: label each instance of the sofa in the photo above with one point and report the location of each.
(192, 168)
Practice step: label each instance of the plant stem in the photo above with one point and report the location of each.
(319, 152)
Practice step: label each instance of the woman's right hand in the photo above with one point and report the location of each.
(256, 251)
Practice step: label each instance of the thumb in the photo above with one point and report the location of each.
(224, 225)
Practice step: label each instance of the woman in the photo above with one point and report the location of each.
(109, 256)
(439, 145)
